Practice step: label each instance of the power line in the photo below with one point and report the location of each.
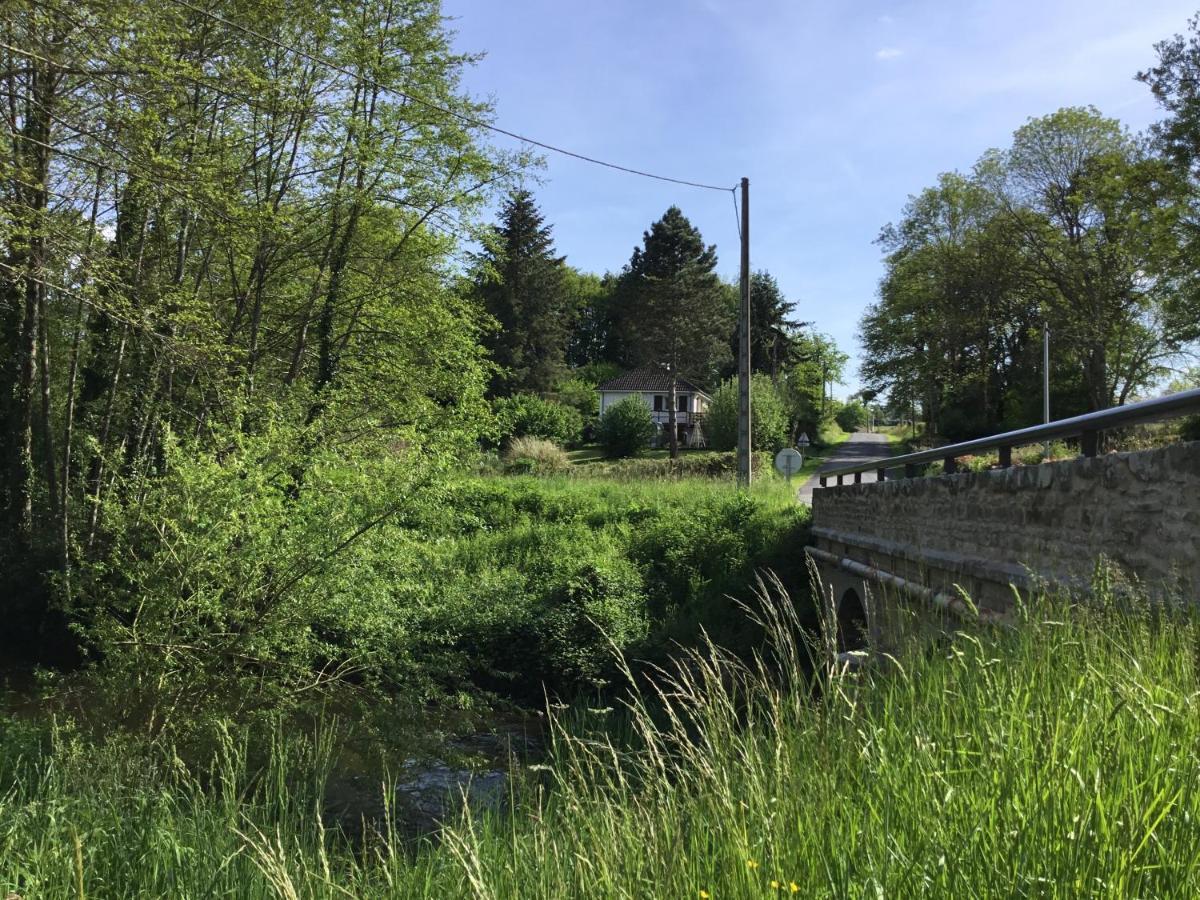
(462, 117)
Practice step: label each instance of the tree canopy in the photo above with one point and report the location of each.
(524, 287)
(1074, 228)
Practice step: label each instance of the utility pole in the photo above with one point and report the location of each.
(743, 449)
(824, 379)
(1046, 382)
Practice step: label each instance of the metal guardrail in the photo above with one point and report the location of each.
(1087, 428)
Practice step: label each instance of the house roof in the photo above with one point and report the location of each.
(649, 378)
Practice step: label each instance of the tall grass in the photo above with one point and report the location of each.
(1055, 758)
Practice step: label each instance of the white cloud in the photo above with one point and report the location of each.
(886, 53)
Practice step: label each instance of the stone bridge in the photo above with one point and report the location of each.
(1013, 529)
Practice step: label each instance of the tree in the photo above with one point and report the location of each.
(673, 308)
(852, 416)
(816, 362)
(1099, 217)
(625, 428)
(215, 252)
(593, 338)
(769, 424)
(955, 312)
(524, 287)
(1175, 83)
(772, 330)
(1075, 228)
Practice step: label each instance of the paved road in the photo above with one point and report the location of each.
(860, 447)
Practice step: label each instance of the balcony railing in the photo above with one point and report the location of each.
(1087, 428)
(663, 417)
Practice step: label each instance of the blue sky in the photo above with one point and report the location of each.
(836, 111)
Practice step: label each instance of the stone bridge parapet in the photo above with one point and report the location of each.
(990, 531)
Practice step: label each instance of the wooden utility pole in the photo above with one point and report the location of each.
(743, 448)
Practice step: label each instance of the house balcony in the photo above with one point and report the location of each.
(663, 417)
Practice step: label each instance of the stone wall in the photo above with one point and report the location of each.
(985, 530)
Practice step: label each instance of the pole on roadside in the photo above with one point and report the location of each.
(1046, 382)
(743, 448)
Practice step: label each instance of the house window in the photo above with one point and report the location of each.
(683, 402)
(658, 403)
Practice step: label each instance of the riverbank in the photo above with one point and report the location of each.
(1057, 755)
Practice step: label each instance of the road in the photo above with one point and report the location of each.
(860, 447)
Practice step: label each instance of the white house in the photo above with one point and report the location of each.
(653, 385)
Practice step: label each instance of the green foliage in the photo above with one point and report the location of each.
(852, 416)
(595, 339)
(527, 415)
(578, 389)
(527, 455)
(522, 285)
(774, 335)
(1076, 228)
(815, 365)
(674, 310)
(227, 591)
(237, 241)
(697, 789)
(769, 419)
(231, 584)
(692, 464)
(625, 428)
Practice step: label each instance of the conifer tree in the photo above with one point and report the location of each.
(523, 286)
(673, 306)
(773, 333)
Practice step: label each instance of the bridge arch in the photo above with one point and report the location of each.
(851, 622)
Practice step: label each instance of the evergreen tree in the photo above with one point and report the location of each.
(673, 307)
(773, 333)
(523, 286)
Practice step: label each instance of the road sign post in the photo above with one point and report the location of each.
(788, 461)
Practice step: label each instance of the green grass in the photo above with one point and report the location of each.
(595, 453)
(586, 454)
(1053, 759)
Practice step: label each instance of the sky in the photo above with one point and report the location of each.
(836, 111)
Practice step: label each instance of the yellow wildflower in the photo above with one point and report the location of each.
(775, 885)
(704, 895)
(794, 887)
(751, 864)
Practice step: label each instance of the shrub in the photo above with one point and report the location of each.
(527, 415)
(598, 607)
(852, 416)
(769, 419)
(626, 428)
(1191, 429)
(530, 455)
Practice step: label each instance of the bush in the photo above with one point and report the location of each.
(530, 455)
(1191, 429)
(625, 429)
(769, 419)
(852, 416)
(527, 415)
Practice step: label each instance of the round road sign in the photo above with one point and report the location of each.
(788, 461)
